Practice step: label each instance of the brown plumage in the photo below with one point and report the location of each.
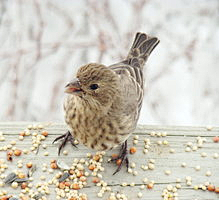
(103, 103)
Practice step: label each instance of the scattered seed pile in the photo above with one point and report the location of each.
(68, 181)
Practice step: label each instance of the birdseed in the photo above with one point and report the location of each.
(203, 154)
(167, 172)
(215, 155)
(208, 173)
(81, 178)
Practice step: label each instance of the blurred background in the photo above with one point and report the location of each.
(44, 42)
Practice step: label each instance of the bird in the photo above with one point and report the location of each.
(103, 103)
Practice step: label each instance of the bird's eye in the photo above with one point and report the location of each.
(93, 86)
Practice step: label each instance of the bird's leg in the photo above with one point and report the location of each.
(67, 137)
(123, 157)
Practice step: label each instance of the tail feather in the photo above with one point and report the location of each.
(139, 38)
(142, 47)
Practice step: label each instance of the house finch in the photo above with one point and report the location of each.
(103, 103)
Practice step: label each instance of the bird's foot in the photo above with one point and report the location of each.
(123, 157)
(67, 137)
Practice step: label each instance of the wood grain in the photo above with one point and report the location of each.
(177, 136)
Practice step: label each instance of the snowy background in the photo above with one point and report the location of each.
(44, 42)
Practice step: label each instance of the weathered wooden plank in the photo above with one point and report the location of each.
(177, 138)
(57, 129)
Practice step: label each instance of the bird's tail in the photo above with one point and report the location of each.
(142, 47)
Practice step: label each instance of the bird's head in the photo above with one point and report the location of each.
(95, 83)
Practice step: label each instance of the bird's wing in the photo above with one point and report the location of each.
(131, 80)
(131, 69)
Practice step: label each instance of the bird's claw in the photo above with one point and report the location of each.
(65, 138)
(123, 156)
(58, 138)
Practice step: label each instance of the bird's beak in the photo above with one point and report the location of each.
(73, 87)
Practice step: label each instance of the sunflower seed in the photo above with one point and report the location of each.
(21, 180)
(64, 176)
(13, 198)
(37, 196)
(62, 165)
(31, 171)
(10, 178)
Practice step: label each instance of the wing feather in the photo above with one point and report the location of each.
(132, 79)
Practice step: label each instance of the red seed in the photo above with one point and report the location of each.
(79, 174)
(91, 167)
(75, 186)
(53, 166)
(45, 133)
(6, 197)
(68, 184)
(17, 152)
(22, 133)
(211, 188)
(119, 161)
(217, 190)
(23, 185)
(62, 185)
(95, 180)
(133, 150)
(83, 178)
(216, 139)
(29, 165)
(150, 185)
(9, 156)
(96, 157)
